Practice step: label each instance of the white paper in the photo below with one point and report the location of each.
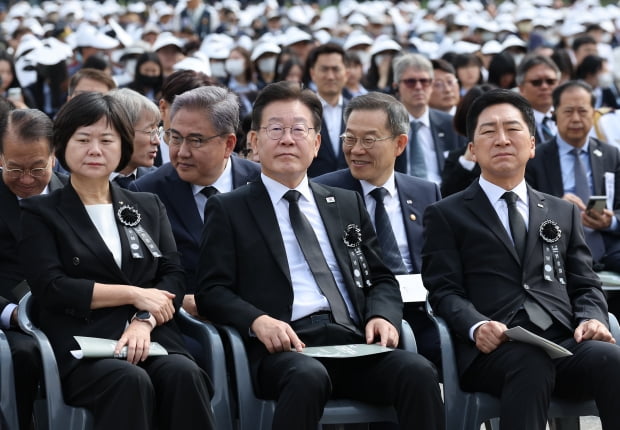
(411, 288)
(610, 188)
(95, 347)
(554, 350)
(345, 351)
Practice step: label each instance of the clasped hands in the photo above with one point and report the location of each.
(278, 336)
(490, 335)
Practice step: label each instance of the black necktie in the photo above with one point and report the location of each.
(208, 192)
(124, 181)
(311, 249)
(417, 164)
(385, 234)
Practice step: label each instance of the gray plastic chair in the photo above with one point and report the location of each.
(51, 412)
(467, 410)
(257, 414)
(8, 406)
(212, 359)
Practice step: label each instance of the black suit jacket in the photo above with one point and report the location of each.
(11, 268)
(445, 139)
(473, 273)
(66, 256)
(244, 272)
(455, 177)
(177, 196)
(327, 160)
(414, 194)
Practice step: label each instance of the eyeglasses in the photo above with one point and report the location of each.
(413, 82)
(153, 134)
(538, 82)
(444, 84)
(195, 141)
(37, 172)
(349, 140)
(276, 131)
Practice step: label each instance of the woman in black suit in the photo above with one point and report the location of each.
(102, 262)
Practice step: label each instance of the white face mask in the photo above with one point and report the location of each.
(218, 69)
(605, 80)
(130, 66)
(379, 59)
(235, 66)
(606, 37)
(518, 58)
(455, 35)
(267, 65)
(364, 58)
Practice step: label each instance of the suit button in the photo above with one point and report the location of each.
(527, 287)
(76, 261)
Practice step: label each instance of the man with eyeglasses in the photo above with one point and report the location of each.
(432, 136)
(278, 263)
(27, 158)
(377, 128)
(537, 77)
(201, 138)
(446, 92)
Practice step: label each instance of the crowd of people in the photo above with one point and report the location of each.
(275, 166)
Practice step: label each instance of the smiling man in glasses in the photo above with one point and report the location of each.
(537, 77)
(27, 158)
(432, 135)
(201, 139)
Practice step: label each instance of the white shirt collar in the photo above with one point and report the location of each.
(223, 184)
(276, 190)
(494, 192)
(390, 186)
(424, 119)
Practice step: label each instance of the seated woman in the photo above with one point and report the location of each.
(102, 262)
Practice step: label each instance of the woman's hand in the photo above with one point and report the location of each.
(157, 302)
(137, 338)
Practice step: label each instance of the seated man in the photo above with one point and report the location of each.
(277, 263)
(500, 254)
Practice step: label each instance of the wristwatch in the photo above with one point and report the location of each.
(146, 317)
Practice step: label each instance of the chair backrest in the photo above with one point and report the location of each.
(213, 360)
(8, 406)
(59, 414)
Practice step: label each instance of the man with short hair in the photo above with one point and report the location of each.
(201, 137)
(277, 263)
(446, 92)
(432, 135)
(500, 254)
(537, 77)
(89, 80)
(27, 158)
(377, 128)
(326, 65)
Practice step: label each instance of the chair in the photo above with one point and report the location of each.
(212, 360)
(257, 414)
(51, 412)
(8, 406)
(467, 410)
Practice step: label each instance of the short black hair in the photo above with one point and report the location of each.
(556, 95)
(496, 97)
(86, 109)
(326, 48)
(27, 124)
(182, 81)
(586, 39)
(284, 91)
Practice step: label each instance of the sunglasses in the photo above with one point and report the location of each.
(413, 82)
(538, 82)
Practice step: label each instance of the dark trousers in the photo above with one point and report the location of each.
(524, 378)
(27, 370)
(302, 385)
(169, 392)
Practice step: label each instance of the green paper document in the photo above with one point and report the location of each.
(345, 351)
(95, 347)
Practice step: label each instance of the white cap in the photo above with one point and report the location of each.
(166, 39)
(464, 47)
(196, 63)
(87, 35)
(384, 44)
(356, 38)
(294, 35)
(491, 47)
(513, 41)
(264, 48)
(357, 19)
(28, 42)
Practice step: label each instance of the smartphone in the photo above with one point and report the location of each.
(597, 204)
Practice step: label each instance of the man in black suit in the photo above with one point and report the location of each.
(556, 171)
(277, 262)
(201, 138)
(27, 159)
(500, 254)
(377, 128)
(328, 72)
(432, 135)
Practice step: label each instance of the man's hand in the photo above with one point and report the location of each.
(593, 329)
(382, 329)
(597, 220)
(137, 337)
(189, 304)
(157, 302)
(490, 335)
(276, 335)
(573, 198)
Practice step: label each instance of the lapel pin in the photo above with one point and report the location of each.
(409, 202)
(330, 199)
(540, 205)
(597, 152)
(440, 134)
(413, 217)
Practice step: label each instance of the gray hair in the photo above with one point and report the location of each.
(418, 62)
(220, 105)
(397, 115)
(136, 105)
(531, 61)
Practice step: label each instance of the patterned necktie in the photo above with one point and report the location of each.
(385, 234)
(321, 272)
(417, 164)
(546, 129)
(582, 187)
(208, 192)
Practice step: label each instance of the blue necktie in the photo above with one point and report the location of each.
(546, 130)
(385, 234)
(417, 165)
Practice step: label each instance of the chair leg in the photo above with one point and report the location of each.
(564, 423)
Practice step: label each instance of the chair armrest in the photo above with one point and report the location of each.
(614, 327)
(407, 338)
(8, 406)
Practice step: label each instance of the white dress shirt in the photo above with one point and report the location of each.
(425, 139)
(333, 120)
(223, 184)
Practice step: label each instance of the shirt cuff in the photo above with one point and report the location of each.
(466, 164)
(5, 316)
(473, 328)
